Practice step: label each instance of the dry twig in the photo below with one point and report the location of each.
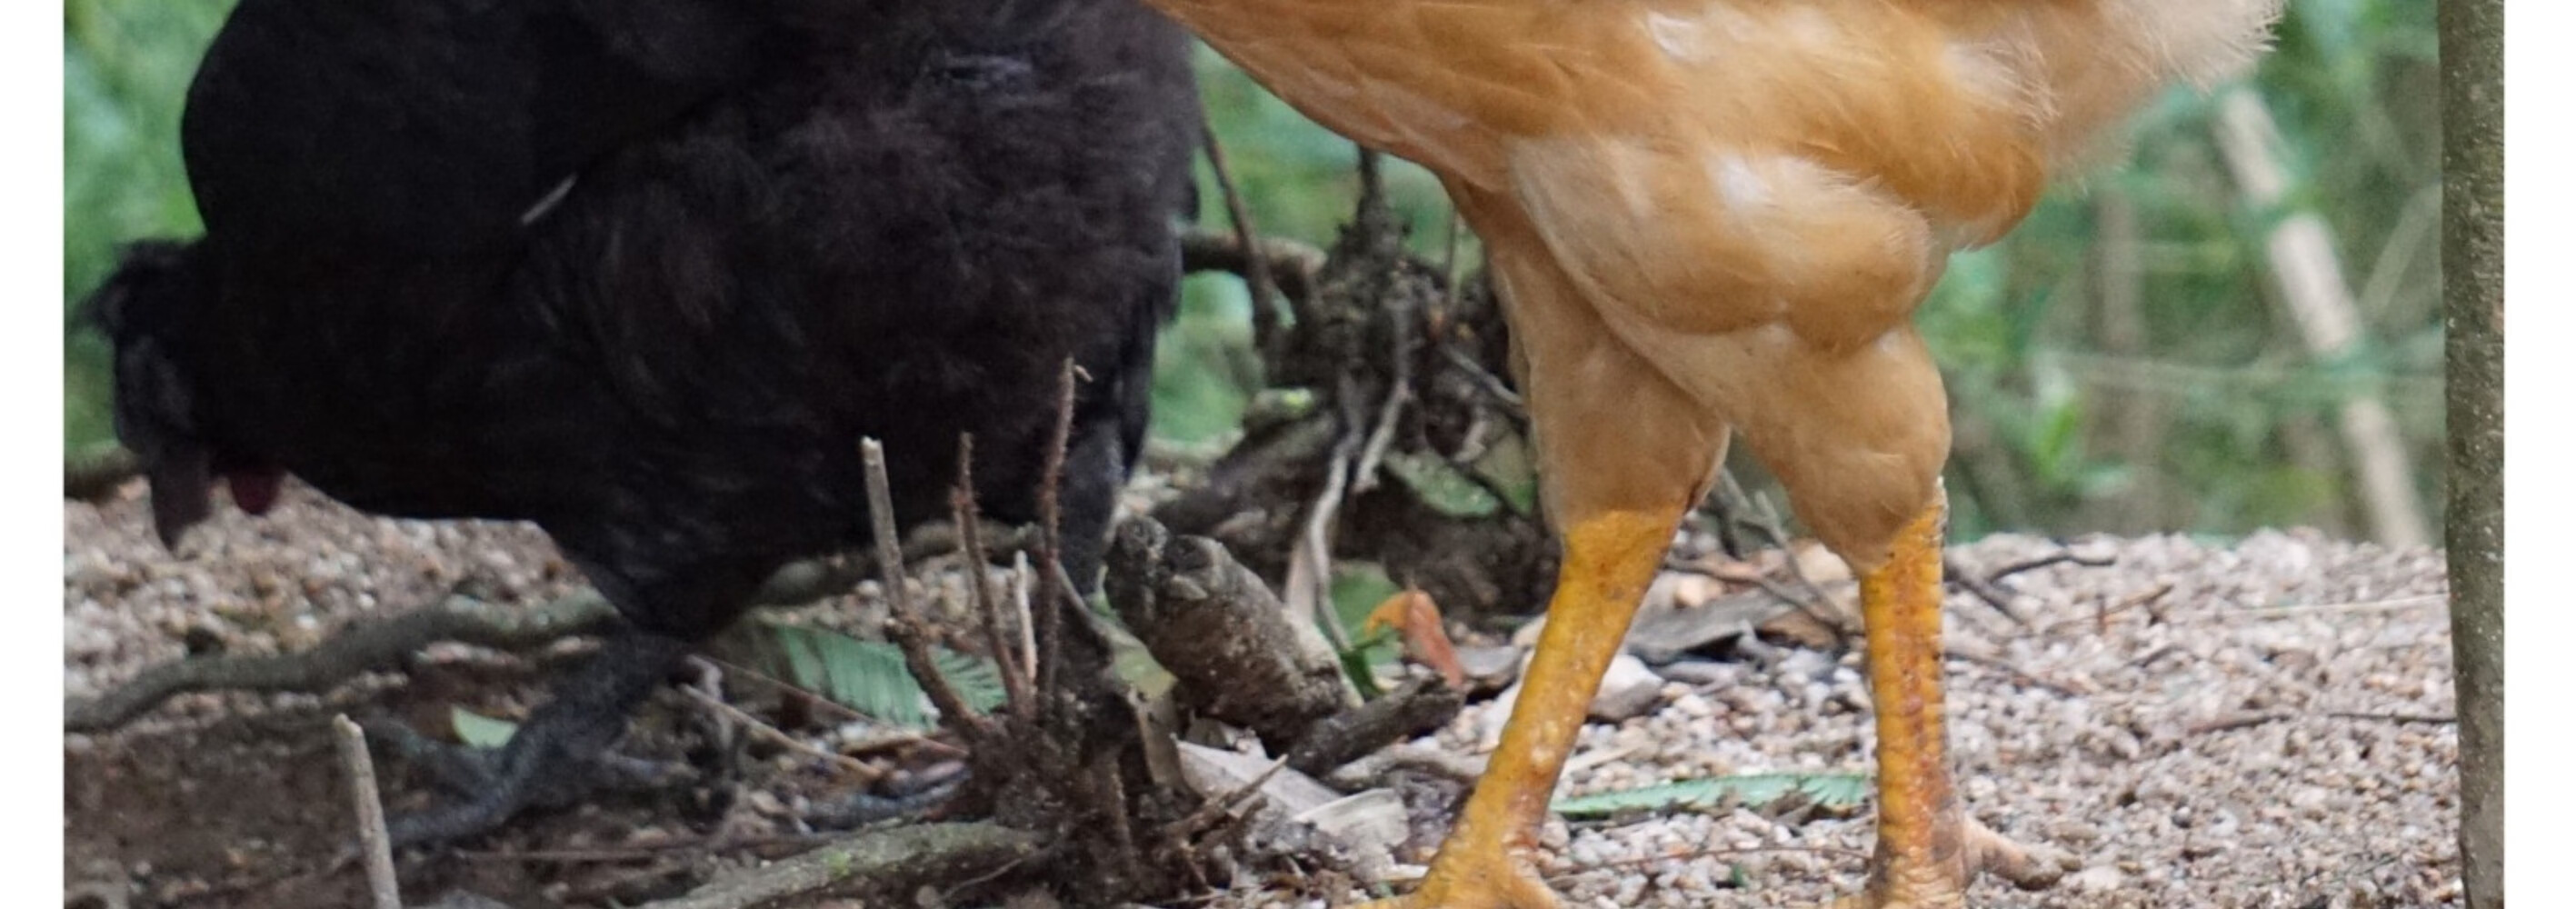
(363, 648)
(776, 736)
(1256, 269)
(373, 646)
(884, 860)
(1292, 265)
(1310, 562)
(2060, 557)
(2018, 674)
(1399, 392)
(372, 841)
(1990, 587)
(979, 582)
(2103, 613)
(1055, 594)
(1420, 706)
(1812, 600)
(907, 629)
(2250, 720)
(646, 851)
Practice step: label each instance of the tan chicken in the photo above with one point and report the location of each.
(1717, 216)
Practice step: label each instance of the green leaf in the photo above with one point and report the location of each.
(1837, 790)
(1357, 588)
(480, 731)
(1508, 467)
(869, 676)
(1443, 487)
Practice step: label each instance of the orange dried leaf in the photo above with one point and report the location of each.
(1416, 620)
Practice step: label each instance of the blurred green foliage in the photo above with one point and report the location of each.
(2205, 415)
(126, 65)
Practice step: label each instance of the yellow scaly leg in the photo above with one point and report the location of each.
(1610, 558)
(1927, 849)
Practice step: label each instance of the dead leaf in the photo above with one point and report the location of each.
(1719, 567)
(1417, 620)
(1802, 628)
(1692, 591)
(1820, 565)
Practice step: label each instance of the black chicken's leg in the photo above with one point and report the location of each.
(1095, 469)
(558, 754)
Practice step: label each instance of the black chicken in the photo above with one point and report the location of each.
(644, 272)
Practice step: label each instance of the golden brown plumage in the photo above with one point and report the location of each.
(1717, 216)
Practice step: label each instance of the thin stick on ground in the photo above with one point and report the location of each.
(373, 646)
(1985, 590)
(979, 581)
(1020, 611)
(623, 854)
(1054, 595)
(2106, 610)
(1812, 601)
(885, 860)
(1224, 805)
(907, 628)
(2060, 557)
(2250, 720)
(372, 841)
(1963, 653)
(1492, 385)
(1292, 264)
(776, 736)
(361, 649)
(1399, 392)
(1310, 562)
(1419, 707)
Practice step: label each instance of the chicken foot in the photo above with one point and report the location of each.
(1928, 849)
(558, 755)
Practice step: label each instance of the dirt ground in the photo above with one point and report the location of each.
(2262, 724)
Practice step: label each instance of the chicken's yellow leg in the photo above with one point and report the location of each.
(1610, 558)
(1926, 847)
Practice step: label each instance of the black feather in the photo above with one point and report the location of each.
(645, 272)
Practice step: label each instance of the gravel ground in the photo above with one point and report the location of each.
(2268, 731)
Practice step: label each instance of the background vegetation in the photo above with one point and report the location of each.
(2125, 362)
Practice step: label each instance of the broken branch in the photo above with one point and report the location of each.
(1256, 269)
(907, 628)
(373, 646)
(979, 581)
(886, 860)
(1418, 707)
(362, 648)
(1291, 265)
(1055, 594)
(778, 737)
(372, 841)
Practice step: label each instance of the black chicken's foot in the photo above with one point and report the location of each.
(556, 757)
(466, 771)
(859, 809)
